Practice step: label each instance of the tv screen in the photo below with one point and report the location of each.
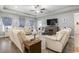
(52, 21)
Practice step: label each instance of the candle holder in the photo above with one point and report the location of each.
(34, 33)
(34, 36)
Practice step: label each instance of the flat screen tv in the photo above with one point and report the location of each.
(52, 21)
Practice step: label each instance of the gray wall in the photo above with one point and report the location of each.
(65, 19)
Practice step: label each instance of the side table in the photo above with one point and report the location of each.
(33, 46)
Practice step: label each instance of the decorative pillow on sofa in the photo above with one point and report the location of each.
(22, 36)
(27, 30)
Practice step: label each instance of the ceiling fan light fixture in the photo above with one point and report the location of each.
(37, 11)
(33, 6)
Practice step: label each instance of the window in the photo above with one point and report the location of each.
(39, 23)
(7, 21)
(31, 23)
(22, 22)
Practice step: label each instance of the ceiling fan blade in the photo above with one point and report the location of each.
(32, 10)
(43, 9)
(5, 8)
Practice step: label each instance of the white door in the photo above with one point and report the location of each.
(76, 23)
(76, 32)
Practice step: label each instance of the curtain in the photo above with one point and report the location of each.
(7, 21)
(22, 21)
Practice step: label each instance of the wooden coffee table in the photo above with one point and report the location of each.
(33, 46)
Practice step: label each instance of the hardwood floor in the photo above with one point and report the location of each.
(6, 46)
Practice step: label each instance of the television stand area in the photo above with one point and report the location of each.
(51, 30)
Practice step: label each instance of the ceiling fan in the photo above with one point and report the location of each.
(38, 9)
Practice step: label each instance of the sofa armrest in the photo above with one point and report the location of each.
(54, 45)
(64, 39)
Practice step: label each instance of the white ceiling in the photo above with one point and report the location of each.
(26, 9)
